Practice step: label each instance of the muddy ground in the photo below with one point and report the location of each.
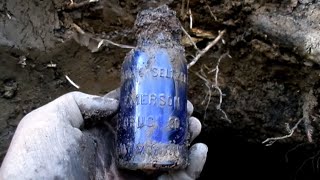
(270, 83)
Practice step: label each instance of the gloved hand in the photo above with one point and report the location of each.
(71, 138)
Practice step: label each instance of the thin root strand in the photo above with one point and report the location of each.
(270, 141)
(202, 52)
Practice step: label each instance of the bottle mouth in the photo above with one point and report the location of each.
(156, 20)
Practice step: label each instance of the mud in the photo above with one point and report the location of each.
(270, 83)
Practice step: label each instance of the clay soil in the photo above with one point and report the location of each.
(270, 83)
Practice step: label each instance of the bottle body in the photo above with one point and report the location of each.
(152, 130)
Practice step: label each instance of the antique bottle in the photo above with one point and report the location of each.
(152, 130)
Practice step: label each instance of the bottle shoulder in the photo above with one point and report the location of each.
(155, 57)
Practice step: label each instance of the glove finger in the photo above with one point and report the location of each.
(114, 94)
(97, 106)
(189, 108)
(197, 159)
(194, 128)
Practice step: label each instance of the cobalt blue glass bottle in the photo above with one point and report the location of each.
(152, 131)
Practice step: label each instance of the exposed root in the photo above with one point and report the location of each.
(209, 84)
(312, 159)
(209, 91)
(315, 159)
(270, 141)
(190, 39)
(211, 13)
(184, 8)
(309, 103)
(210, 45)
(291, 150)
(213, 84)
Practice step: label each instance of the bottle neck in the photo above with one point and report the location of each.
(163, 38)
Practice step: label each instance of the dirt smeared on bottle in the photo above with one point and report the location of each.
(152, 131)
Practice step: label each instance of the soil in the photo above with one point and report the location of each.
(269, 84)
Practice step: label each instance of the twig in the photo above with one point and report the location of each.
(71, 82)
(270, 141)
(211, 13)
(202, 52)
(72, 5)
(190, 39)
(208, 95)
(102, 41)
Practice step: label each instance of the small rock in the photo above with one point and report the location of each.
(10, 88)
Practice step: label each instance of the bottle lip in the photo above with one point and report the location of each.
(160, 19)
